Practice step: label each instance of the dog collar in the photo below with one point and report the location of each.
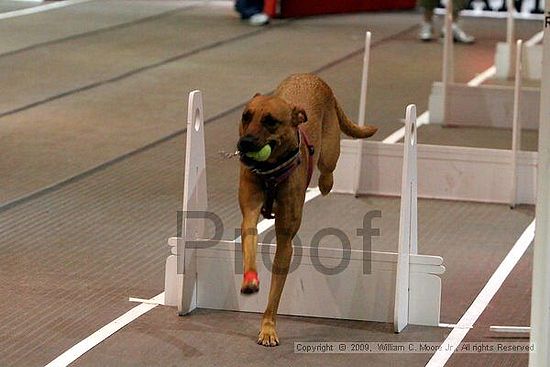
(273, 175)
(273, 171)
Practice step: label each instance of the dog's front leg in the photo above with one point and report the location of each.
(249, 235)
(286, 228)
(250, 201)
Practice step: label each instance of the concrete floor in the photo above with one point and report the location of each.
(91, 155)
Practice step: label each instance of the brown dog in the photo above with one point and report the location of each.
(301, 122)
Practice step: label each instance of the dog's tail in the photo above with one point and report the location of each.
(350, 128)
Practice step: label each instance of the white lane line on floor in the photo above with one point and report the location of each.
(480, 78)
(40, 8)
(85, 345)
(484, 297)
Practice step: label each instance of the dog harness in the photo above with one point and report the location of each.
(272, 177)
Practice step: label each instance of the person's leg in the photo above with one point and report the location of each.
(252, 10)
(458, 34)
(458, 5)
(426, 29)
(428, 6)
(248, 8)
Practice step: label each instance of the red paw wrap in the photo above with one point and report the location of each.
(251, 276)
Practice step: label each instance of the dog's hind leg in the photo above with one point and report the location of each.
(330, 151)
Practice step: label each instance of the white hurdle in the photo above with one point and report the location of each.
(212, 268)
(473, 174)
(504, 54)
(484, 105)
(448, 172)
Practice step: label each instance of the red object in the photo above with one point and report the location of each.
(250, 276)
(270, 7)
(301, 8)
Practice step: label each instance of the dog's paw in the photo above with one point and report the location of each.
(326, 181)
(251, 283)
(250, 288)
(268, 336)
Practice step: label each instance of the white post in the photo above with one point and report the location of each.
(510, 24)
(516, 123)
(448, 67)
(194, 202)
(362, 108)
(510, 34)
(413, 245)
(407, 223)
(540, 298)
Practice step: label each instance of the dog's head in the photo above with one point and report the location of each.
(270, 120)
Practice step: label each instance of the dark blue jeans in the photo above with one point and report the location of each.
(248, 8)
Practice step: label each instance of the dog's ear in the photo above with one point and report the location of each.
(298, 116)
(256, 95)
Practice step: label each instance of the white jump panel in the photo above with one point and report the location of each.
(532, 60)
(347, 294)
(444, 172)
(486, 106)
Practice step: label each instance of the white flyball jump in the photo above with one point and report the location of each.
(401, 287)
(481, 105)
(476, 174)
(447, 172)
(504, 54)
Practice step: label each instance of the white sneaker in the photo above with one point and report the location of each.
(258, 19)
(459, 35)
(426, 32)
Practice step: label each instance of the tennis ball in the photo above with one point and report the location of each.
(260, 155)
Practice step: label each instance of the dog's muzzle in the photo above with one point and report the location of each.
(249, 143)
